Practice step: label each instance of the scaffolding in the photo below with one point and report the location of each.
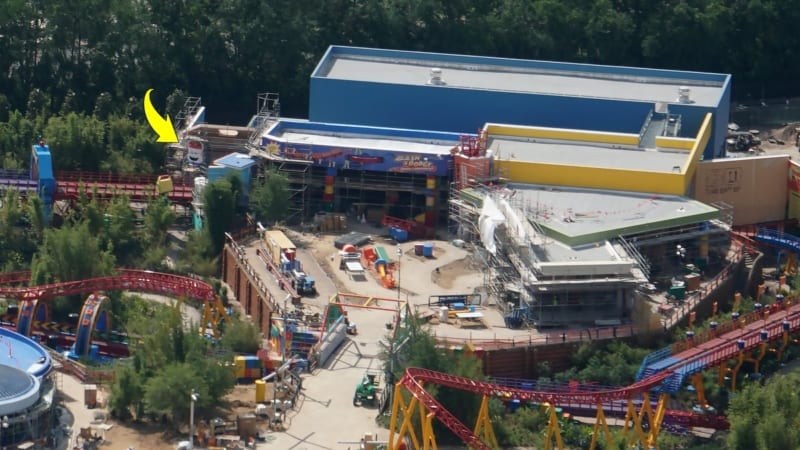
(269, 111)
(189, 109)
(298, 174)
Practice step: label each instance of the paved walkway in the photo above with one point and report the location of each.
(77, 415)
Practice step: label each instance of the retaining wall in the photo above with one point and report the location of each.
(249, 290)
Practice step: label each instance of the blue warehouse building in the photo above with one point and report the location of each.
(459, 94)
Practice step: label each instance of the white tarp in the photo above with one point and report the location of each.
(515, 225)
(488, 221)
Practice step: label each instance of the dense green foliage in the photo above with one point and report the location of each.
(766, 418)
(227, 51)
(168, 362)
(116, 143)
(94, 238)
(608, 363)
(269, 198)
(219, 201)
(241, 336)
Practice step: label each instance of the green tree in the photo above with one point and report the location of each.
(175, 101)
(103, 106)
(198, 255)
(15, 244)
(766, 418)
(269, 199)
(169, 391)
(38, 104)
(418, 348)
(36, 213)
(241, 336)
(17, 135)
(119, 230)
(158, 218)
(68, 105)
(168, 360)
(609, 363)
(219, 205)
(79, 141)
(125, 398)
(70, 253)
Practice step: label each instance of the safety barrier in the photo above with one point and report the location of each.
(250, 273)
(695, 298)
(551, 338)
(86, 374)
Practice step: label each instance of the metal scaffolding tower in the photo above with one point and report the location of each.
(190, 107)
(298, 173)
(269, 110)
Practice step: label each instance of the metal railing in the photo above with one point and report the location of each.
(694, 299)
(550, 338)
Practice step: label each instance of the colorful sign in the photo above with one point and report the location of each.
(362, 159)
(794, 191)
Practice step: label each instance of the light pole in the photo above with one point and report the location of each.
(193, 399)
(399, 256)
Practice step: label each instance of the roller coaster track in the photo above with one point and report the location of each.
(70, 185)
(125, 280)
(663, 375)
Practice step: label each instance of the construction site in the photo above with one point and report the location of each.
(584, 215)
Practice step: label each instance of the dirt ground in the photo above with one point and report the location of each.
(448, 275)
(156, 436)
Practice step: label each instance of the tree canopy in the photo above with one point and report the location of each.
(269, 198)
(75, 57)
(169, 360)
(766, 417)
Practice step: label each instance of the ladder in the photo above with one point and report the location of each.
(190, 107)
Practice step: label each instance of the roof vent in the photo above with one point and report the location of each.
(684, 95)
(436, 77)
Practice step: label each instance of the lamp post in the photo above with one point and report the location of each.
(193, 399)
(399, 256)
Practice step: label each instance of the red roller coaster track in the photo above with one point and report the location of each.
(765, 327)
(13, 286)
(124, 280)
(136, 187)
(414, 379)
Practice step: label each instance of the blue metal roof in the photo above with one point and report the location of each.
(236, 161)
(518, 75)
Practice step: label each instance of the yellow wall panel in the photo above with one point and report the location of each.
(676, 143)
(562, 134)
(700, 142)
(593, 178)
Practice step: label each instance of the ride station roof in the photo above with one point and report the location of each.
(578, 217)
(302, 132)
(516, 75)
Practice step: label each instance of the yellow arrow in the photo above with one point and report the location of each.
(161, 125)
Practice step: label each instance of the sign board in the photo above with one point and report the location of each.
(363, 159)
